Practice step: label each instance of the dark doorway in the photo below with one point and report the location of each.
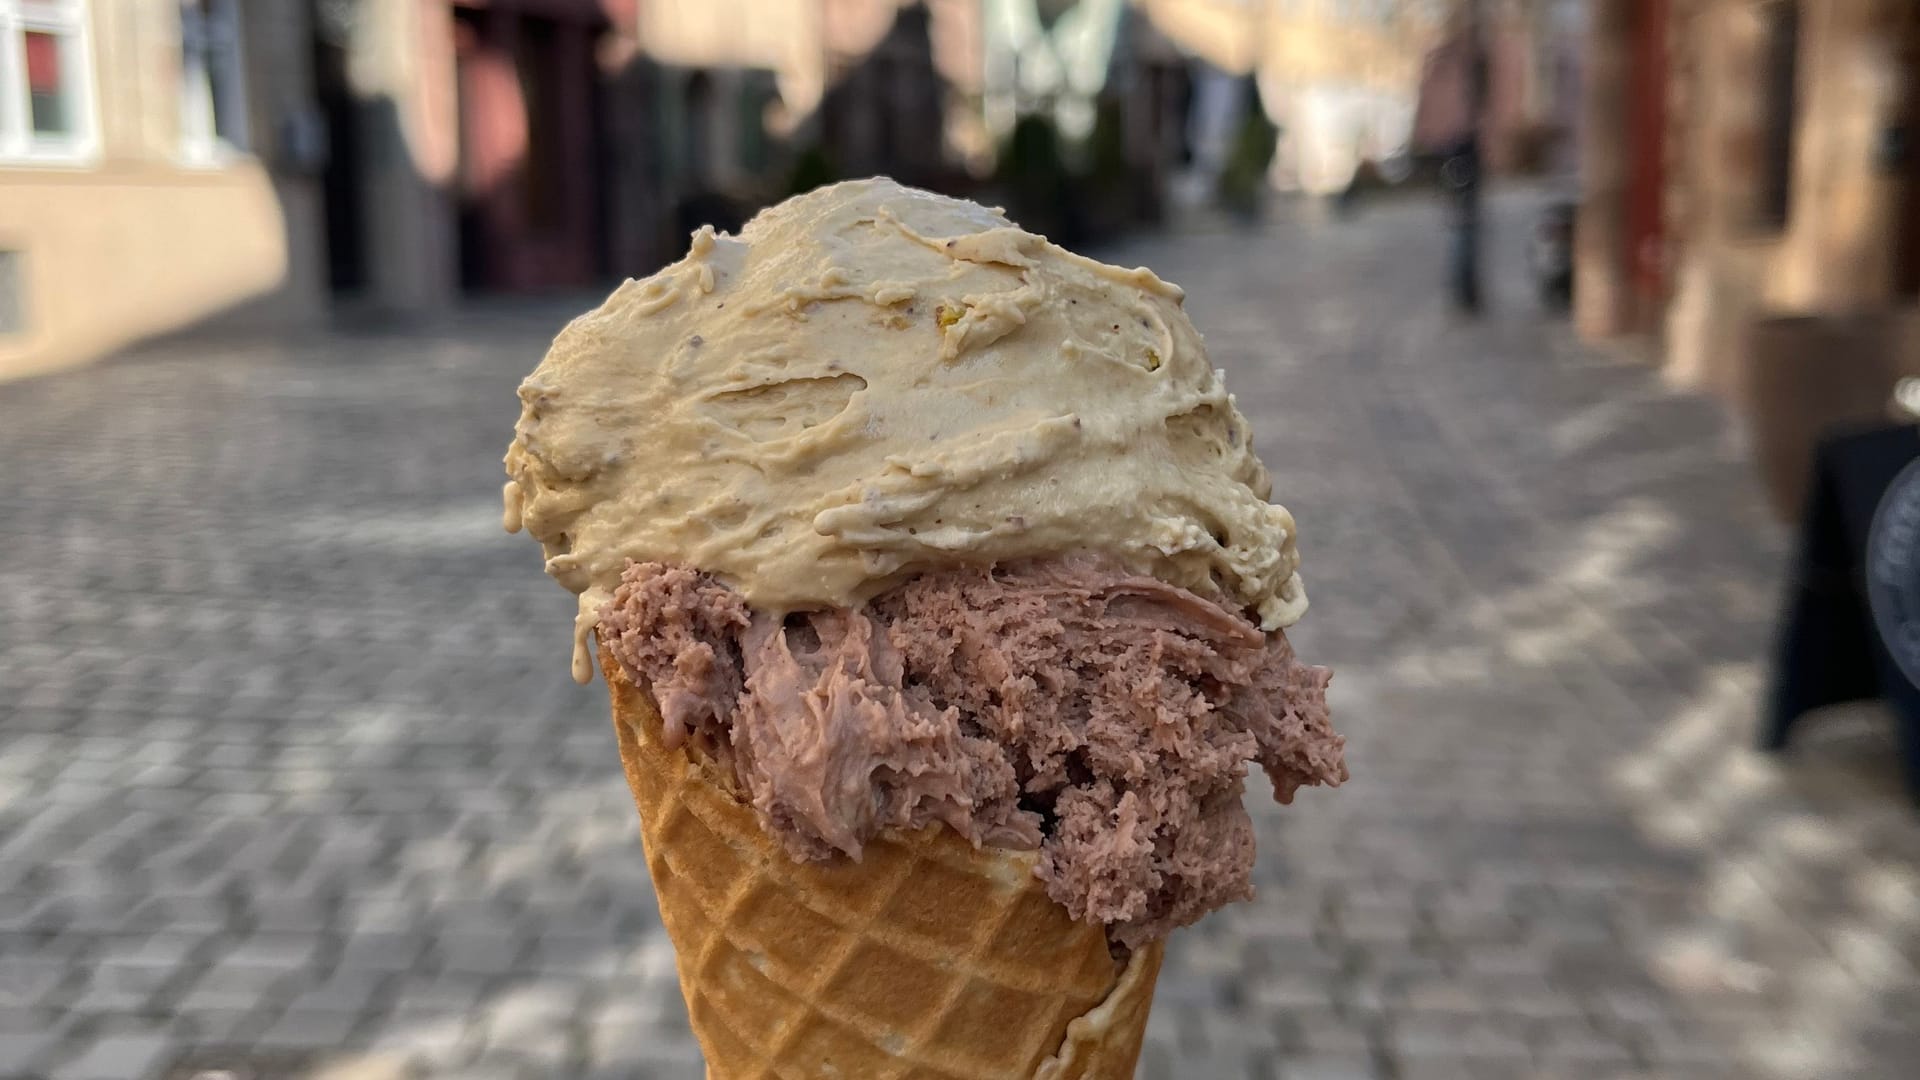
(341, 192)
(528, 187)
(543, 188)
(1779, 113)
(470, 205)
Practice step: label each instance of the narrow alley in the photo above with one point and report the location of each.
(293, 778)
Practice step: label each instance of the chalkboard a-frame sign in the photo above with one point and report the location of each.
(1851, 623)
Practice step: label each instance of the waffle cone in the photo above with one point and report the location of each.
(926, 959)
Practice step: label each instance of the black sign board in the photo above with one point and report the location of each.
(1851, 627)
(1893, 570)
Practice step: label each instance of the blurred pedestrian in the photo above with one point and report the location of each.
(1449, 123)
(1461, 177)
(1346, 201)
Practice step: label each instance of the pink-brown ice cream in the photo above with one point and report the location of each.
(1104, 717)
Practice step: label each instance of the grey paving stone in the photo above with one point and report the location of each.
(1507, 960)
(37, 914)
(277, 952)
(487, 954)
(238, 1025)
(1635, 1004)
(638, 1049)
(118, 1057)
(23, 1051)
(1463, 1068)
(1286, 991)
(98, 912)
(166, 949)
(546, 1053)
(1326, 1031)
(632, 1021)
(160, 776)
(237, 987)
(1418, 1036)
(303, 1028)
(383, 951)
(459, 909)
(1350, 1067)
(1531, 998)
(1195, 991)
(183, 913)
(1155, 1062)
(362, 1066)
(1674, 1042)
(119, 987)
(1256, 1038)
(536, 1008)
(1381, 927)
(1163, 1027)
(1443, 995)
(28, 982)
(432, 1044)
(20, 1020)
(237, 803)
(1588, 1048)
(346, 990)
(501, 1068)
(298, 918)
(592, 956)
(449, 992)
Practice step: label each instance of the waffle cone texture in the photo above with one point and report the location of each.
(927, 959)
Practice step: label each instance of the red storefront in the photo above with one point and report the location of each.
(1646, 182)
(1622, 248)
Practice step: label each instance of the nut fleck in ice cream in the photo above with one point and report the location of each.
(909, 530)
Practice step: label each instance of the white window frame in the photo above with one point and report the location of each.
(19, 143)
(219, 36)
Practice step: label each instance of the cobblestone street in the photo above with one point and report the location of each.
(293, 781)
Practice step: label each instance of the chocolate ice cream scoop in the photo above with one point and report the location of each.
(1104, 717)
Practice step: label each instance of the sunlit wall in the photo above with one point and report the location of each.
(136, 197)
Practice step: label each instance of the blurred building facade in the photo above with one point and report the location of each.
(1089, 103)
(261, 163)
(526, 192)
(1339, 79)
(266, 163)
(1744, 160)
(466, 148)
(157, 168)
(728, 104)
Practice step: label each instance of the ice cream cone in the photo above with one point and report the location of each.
(926, 959)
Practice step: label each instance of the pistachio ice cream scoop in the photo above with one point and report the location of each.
(872, 380)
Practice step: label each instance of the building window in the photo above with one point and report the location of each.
(213, 97)
(46, 87)
(1780, 41)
